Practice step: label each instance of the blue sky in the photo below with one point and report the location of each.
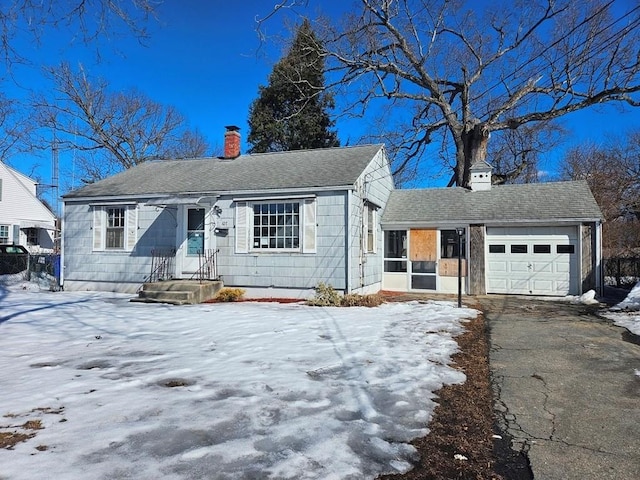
(203, 58)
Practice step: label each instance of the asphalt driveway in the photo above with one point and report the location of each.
(567, 389)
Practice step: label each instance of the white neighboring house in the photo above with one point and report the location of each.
(24, 220)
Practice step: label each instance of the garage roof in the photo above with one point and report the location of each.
(530, 202)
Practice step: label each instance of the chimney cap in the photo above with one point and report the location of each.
(232, 128)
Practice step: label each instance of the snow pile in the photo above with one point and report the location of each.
(234, 391)
(627, 313)
(587, 298)
(16, 282)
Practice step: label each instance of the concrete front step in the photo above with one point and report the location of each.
(178, 292)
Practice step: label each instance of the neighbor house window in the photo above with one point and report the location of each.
(4, 234)
(275, 226)
(32, 236)
(395, 251)
(114, 227)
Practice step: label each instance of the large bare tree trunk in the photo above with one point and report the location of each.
(471, 148)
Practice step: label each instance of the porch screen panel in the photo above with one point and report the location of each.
(423, 245)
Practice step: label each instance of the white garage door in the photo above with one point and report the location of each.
(532, 260)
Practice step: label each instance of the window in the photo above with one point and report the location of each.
(449, 244)
(519, 249)
(276, 226)
(4, 233)
(542, 249)
(195, 231)
(370, 224)
(114, 227)
(423, 282)
(395, 247)
(32, 236)
(496, 249)
(565, 249)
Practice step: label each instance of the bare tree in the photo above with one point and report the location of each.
(613, 174)
(515, 154)
(83, 21)
(112, 131)
(13, 130)
(470, 72)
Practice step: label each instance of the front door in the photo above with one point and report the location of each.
(423, 253)
(195, 239)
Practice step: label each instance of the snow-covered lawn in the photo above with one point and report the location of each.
(627, 313)
(247, 390)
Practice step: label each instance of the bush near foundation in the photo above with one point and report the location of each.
(230, 295)
(326, 296)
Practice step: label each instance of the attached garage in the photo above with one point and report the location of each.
(522, 239)
(533, 260)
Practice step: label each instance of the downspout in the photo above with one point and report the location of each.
(62, 230)
(347, 249)
(598, 258)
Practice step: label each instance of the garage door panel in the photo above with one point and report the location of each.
(542, 287)
(497, 284)
(518, 266)
(542, 267)
(498, 266)
(539, 271)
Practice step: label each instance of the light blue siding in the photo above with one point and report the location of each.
(339, 258)
(374, 185)
(115, 270)
(288, 269)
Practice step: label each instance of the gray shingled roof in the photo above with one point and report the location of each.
(329, 167)
(508, 203)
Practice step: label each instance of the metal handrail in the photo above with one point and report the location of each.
(207, 265)
(161, 265)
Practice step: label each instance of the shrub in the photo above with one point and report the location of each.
(230, 294)
(325, 296)
(355, 300)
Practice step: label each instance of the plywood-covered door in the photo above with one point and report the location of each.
(423, 253)
(423, 245)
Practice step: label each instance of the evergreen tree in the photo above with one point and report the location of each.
(290, 113)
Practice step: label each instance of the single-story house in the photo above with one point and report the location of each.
(278, 224)
(24, 219)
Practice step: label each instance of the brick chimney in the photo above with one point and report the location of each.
(231, 142)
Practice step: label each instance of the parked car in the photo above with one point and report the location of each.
(13, 259)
